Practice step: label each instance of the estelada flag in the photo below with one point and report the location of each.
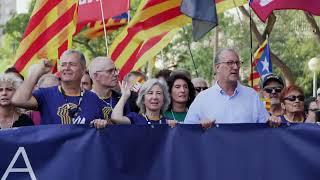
(261, 65)
(263, 8)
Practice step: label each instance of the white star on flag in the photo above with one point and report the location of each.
(265, 64)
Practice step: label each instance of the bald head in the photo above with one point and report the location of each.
(103, 72)
(99, 64)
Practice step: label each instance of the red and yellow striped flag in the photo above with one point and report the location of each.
(96, 29)
(48, 33)
(150, 30)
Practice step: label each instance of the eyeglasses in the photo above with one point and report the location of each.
(199, 89)
(231, 63)
(272, 89)
(314, 110)
(110, 71)
(293, 98)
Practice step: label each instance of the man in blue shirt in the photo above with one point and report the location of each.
(65, 104)
(227, 101)
(104, 75)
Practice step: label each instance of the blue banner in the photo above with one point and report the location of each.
(187, 152)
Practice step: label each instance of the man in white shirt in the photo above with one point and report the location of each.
(227, 101)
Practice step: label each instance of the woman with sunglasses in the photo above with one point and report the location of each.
(182, 95)
(292, 103)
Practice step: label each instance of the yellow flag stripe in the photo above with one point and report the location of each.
(143, 35)
(50, 18)
(155, 49)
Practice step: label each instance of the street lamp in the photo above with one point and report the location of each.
(314, 66)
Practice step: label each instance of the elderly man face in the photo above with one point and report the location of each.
(105, 73)
(272, 91)
(228, 67)
(86, 82)
(71, 68)
(199, 85)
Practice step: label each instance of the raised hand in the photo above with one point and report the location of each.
(125, 89)
(41, 68)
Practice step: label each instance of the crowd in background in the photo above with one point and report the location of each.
(93, 94)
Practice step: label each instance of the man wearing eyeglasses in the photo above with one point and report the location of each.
(199, 84)
(105, 77)
(65, 104)
(227, 101)
(272, 86)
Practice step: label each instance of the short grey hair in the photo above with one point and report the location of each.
(198, 79)
(73, 51)
(44, 77)
(217, 58)
(146, 88)
(95, 64)
(12, 79)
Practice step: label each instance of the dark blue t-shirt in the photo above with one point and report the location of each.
(55, 108)
(140, 119)
(111, 102)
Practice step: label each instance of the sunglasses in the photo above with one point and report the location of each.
(275, 89)
(314, 110)
(199, 89)
(293, 98)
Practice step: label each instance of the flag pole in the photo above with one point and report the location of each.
(251, 46)
(104, 26)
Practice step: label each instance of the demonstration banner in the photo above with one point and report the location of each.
(187, 152)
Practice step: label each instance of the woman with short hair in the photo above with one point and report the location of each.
(153, 100)
(10, 116)
(292, 103)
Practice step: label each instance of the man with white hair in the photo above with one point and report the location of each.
(65, 104)
(105, 76)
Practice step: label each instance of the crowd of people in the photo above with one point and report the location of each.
(93, 95)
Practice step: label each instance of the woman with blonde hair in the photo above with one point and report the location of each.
(10, 116)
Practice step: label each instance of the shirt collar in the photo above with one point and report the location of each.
(221, 91)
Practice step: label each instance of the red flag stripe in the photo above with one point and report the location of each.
(142, 49)
(254, 75)
(130, 63)
(149, 23)
(38, 17)
(44, 37)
